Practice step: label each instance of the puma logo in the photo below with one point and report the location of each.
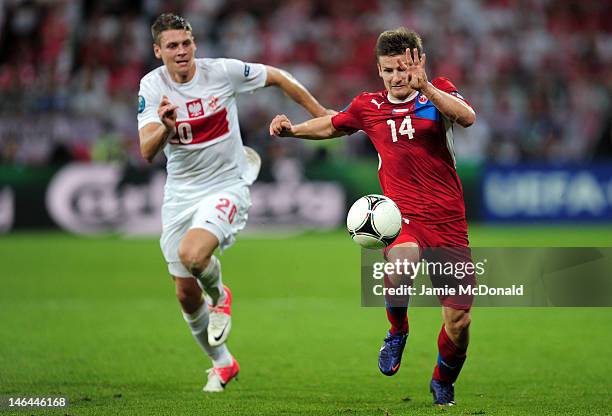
(376, 103)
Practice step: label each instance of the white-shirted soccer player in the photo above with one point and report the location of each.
(187, 107)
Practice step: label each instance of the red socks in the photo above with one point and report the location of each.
(398, 316)
(450, 359)
(397, 311)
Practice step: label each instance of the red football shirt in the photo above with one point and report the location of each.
(415, 149)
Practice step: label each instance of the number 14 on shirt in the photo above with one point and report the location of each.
(404, 129)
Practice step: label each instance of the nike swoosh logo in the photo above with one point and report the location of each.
(394, 369)
(222, 332)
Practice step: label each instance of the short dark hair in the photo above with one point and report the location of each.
(168, 21)
(394, 42)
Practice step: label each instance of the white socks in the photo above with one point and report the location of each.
(198, 322)
(210, 281)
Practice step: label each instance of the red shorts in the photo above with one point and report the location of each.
(442, 243)
(450, 234)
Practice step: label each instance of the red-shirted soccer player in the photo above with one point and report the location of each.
(410, 124)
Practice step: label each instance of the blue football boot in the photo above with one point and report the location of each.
(443, 393)
(390, 356)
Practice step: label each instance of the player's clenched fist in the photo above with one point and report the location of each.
(281, 126)
(167, 113)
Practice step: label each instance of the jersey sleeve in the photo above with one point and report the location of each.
(245, 76)
(446, 85)
(148, 101)
(349, 119)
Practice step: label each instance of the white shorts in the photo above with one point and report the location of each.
(222, 213)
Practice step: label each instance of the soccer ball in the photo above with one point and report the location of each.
(374, 221)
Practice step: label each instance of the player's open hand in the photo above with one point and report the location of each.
(415, 69)
(281, 126)
(167, 113)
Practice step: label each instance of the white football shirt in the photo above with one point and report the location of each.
(206, 153)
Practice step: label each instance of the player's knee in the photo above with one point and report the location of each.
(404, 256)
(194, 259)
(407, 252)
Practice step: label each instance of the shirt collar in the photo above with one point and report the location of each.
(396, 101)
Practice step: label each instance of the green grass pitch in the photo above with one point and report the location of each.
(95, 320)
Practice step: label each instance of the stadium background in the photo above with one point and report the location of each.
(536, 169)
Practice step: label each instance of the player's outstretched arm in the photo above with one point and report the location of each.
(319, 128)
(153, 136)
(451, 107)
(296, 91)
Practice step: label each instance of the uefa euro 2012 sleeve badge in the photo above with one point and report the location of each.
(141, 104)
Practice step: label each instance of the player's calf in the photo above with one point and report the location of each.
(457, 323)
(196, 254)
(188, 294)
(452, 353)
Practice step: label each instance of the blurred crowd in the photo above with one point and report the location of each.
(538, 72)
